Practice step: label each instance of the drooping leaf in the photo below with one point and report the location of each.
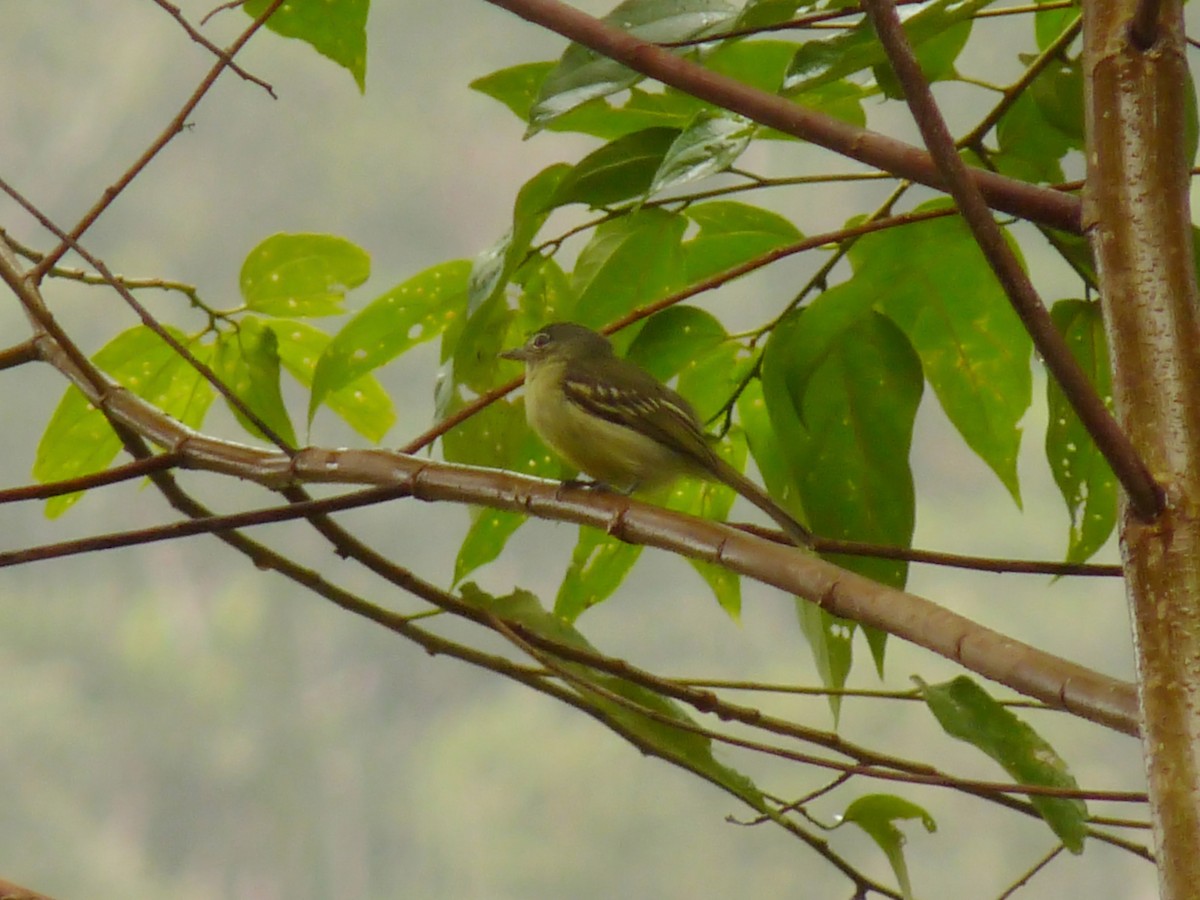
(336, 29)
(876, 814)
(620, 170)
(494, 266)
(78, 439)
(496, 437)
(932, 280)
(1080, 470)
(965, 711)
(246, 359)
(599, 563)
(300, 275)
(842, 385)
(408, 314)
(362, 404)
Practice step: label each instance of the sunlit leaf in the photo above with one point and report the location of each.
(336, 29)
(932, 280)
(630, 261)
(78, 439)
(302, 274)
(408, 314)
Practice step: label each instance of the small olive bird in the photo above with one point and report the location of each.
(616, 422)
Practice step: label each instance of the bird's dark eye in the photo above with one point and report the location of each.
(539, 340)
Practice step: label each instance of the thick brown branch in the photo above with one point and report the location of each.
(1037, 204)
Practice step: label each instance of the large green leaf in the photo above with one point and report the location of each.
(732, 233)
(629, 262)
(842, 392)
(408, 314)
(620, 170)
(302, 274)
(1080, 470)
(78, 439)
(583, 75)
(965, 711)
(336, 29)
(246, 359)
(932, 281)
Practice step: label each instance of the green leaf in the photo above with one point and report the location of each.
(822, 62)
(629, 262)
(78, 439)
(362, 404)
(965, 711)
(711, 143)
(1080, 470)
(932, 281)
(875, 814)
(620, 170)
(582, 74)
(497, 437)
(302, 274)
(731, 234)
(336, 29)
(674, 339)
(1049, 24)
(1058, 94)
(408, 314)
(494, 267)
(1030, 146)
(760, 64)
(658, 725)
(936, 56)
(842, 385)
(599, 563)
(831, 640)
(246, 359)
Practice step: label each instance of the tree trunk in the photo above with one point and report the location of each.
(1136, 210)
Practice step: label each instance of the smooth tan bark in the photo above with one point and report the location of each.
(1137, 216)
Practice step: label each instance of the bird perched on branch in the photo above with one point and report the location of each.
(619, 424)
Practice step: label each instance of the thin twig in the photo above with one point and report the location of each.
(177, 14)
(174, 127)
